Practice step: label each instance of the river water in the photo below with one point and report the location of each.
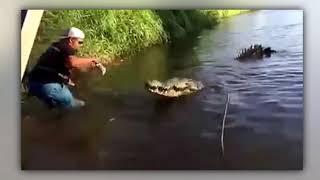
(125, 127)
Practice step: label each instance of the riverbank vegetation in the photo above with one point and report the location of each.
(112, 34)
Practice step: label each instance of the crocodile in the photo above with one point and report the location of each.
(256, 51)
(174, 87)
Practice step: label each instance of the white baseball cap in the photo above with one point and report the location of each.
(73, 32)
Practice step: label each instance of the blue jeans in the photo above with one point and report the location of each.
(54, 95)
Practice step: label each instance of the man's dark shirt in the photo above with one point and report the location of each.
(50, 64)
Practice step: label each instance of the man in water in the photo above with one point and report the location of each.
(50, 77)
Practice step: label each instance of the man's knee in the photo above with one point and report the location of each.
(68, 100)
(59, 96)
(78, 103)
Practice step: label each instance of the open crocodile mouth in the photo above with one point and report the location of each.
(173, 91)
(162, 89)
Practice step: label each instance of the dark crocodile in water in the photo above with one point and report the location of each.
(174, 87)
(256, 51)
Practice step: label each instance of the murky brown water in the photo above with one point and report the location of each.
(125, 127)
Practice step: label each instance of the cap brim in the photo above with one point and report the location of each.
(63, 37)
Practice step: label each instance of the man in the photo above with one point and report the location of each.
(49, 78)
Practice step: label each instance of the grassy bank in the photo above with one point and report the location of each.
(121, 33)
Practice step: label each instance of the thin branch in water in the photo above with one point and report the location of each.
(223, 123)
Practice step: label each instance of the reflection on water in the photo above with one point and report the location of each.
(124, 127)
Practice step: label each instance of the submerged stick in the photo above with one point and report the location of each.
(223, 123)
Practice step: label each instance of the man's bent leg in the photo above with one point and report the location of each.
(56, 95)
(65, 99)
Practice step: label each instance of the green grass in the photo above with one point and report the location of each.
(221, 14)
(122, 33)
